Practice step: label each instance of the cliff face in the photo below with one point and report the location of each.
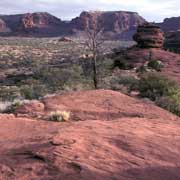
(32, 20)
(115, 24)
(170, 24)
(117, 21)
(3, 27)
(32, 23)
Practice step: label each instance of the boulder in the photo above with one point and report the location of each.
(149, 36)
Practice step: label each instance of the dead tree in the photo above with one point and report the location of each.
(94, 43)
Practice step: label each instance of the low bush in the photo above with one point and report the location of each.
(164, 92)
(153, 86)
(155, 64)
(169, 103)
(59, 116)
(122, 64)
(124, 83)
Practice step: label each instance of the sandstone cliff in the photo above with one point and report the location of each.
(116, 24)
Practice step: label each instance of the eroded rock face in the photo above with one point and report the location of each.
(31, 20)
(149, 36)
(114, 22)
(3, 27)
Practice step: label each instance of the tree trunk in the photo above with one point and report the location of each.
(95, 71)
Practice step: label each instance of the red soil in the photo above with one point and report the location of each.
(120, 138)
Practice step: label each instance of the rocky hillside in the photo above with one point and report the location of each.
(150, 40)
(118, 24)
(110, 136)
(170, 24)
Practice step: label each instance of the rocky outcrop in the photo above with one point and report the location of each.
(149, 36)
(170, 24)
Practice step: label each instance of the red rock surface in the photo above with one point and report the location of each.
(170, 61)
(103, 104)
(121, 148)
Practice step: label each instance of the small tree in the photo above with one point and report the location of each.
(94, 42)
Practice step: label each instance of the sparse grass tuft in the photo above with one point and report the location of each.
(59, 116)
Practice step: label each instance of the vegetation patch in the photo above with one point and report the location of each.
(59, 116)
(164, 92)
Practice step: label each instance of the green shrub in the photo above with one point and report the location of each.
(170, 104)
(164, 92)
(153, 86)
(124, 83)
(156, 65)
(122, 64)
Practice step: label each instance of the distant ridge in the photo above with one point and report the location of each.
(116, 24)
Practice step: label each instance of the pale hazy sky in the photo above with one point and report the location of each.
(152, 10)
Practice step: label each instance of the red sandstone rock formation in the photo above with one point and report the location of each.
(32, 20)
(114, 24)
(3, 27)
(149, 36)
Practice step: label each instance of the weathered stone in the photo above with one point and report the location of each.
(149, 36)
